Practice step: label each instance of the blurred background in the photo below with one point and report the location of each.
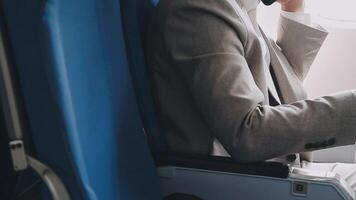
(335, 66)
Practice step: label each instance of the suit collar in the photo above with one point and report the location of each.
(248, 5)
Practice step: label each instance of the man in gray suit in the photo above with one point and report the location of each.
(223, 88)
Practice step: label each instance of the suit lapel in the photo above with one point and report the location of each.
(290, 85)
(271, 86)
(269, 80)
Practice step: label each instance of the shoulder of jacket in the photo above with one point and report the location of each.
(228, 10)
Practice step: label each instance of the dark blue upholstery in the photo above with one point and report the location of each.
(84, 119)
(8, 176)
(135, 15)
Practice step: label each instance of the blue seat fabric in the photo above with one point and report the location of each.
(82, 110)
(135, 18)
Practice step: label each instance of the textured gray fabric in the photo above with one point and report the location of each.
(210, 81)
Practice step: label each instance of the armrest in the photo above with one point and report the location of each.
(223, 164)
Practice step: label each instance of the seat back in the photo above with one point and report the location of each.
(83, 113)
(135, 18)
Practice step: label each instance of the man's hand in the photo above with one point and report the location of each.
(292, 5)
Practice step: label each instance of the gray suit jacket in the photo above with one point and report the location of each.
(212, 80)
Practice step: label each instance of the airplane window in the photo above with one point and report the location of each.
(341, 14)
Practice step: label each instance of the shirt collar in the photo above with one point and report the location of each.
(248, 5)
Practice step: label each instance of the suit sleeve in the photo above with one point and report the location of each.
(300, 43)
(206, 46)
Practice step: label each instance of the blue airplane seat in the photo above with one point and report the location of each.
(24, 26)
(74, 66)
(78, 94)
(135, 14)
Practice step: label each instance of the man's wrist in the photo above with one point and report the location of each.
(293, 6)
